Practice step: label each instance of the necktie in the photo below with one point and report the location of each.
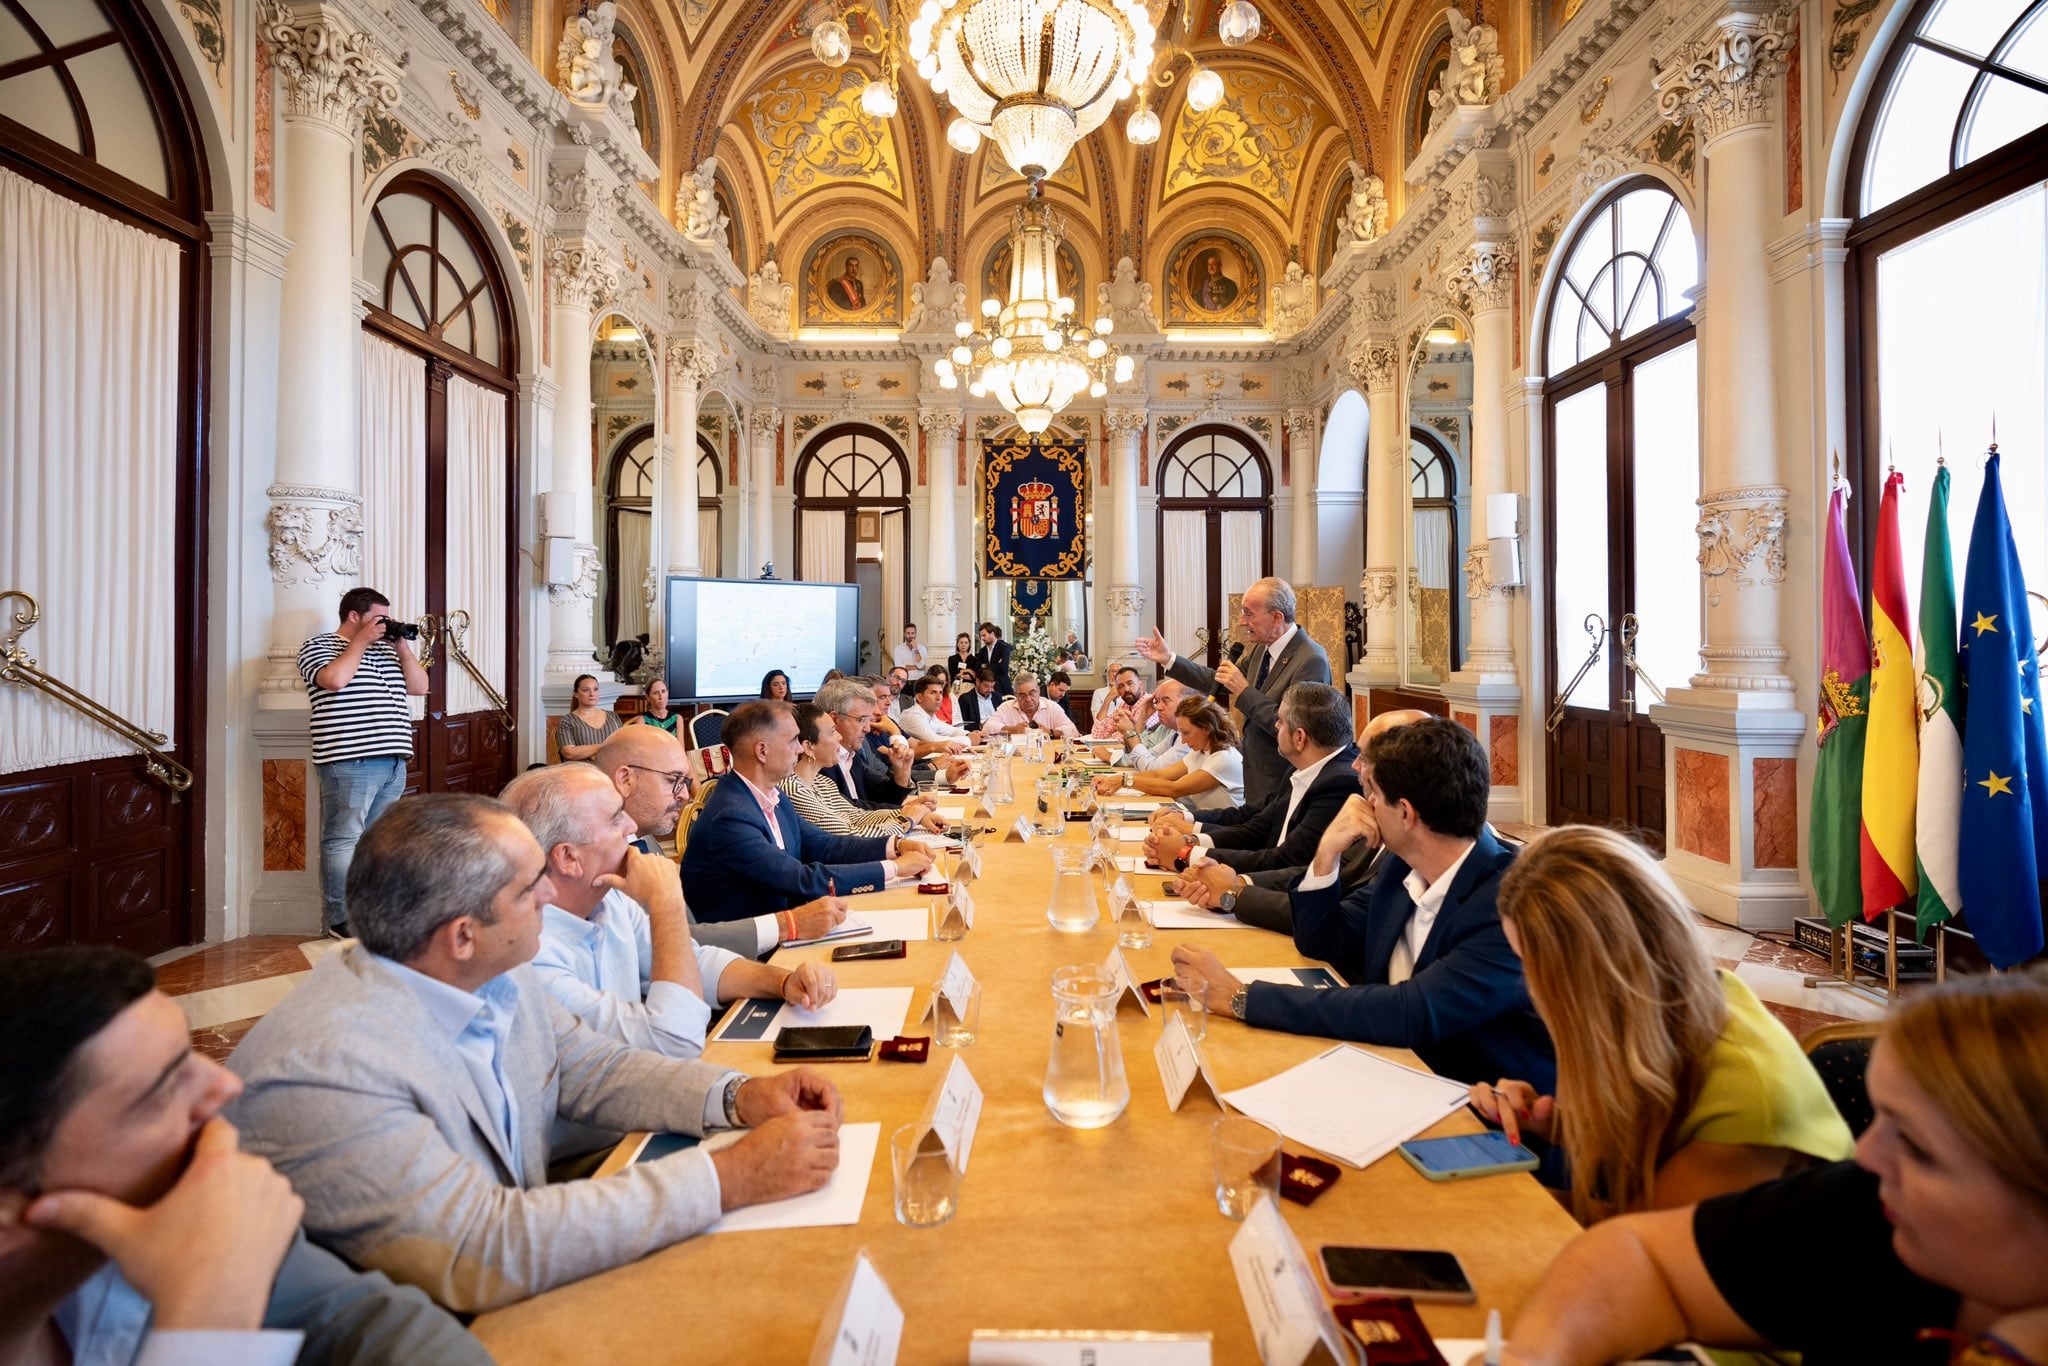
(1265, 662)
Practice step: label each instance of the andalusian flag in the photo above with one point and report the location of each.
(1835, 833)
(2005, 763)
(1941, 723)
(1891, 746)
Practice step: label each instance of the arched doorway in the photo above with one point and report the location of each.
(1436, 641)
(710, 508)
(103, 192)
(628, 534)
(853, 522)
(1215, 533)
(440, 470)
(1621, 455)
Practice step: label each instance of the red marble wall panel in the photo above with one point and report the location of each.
(1505, 733)
(1703, 804)
(1469, 720)
(284, 815)
(1775, 808)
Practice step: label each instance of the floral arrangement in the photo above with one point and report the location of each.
(1033, 653)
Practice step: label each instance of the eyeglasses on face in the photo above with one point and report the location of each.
(678, 783)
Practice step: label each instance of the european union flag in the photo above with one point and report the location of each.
(2005, 749)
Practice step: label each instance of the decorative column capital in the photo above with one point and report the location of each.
(1127, 603)
(765, 423)
(1479, 584)
(315, 534)
(1487, 276)
(1725, 82)
(940, 423)
(331, 74)
(1742, 537)
(690, 366)
(941, 600)
(582, 273)
(1123, 421)
(582, 585)
(1301, 423)
(1374, 365)
(1377, 589)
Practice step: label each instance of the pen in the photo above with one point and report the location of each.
(1493, 1342)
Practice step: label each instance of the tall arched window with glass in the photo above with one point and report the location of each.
(1621, 455)
(1948, 270)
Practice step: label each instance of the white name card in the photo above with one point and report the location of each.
(1289, 1321)
(963, 904)
(1181, 1065)
(954, 986)
(953, 1114)
(1120, 973)
(864, 1325)
(984, 805)
(1044, 1348)
(1023, 829)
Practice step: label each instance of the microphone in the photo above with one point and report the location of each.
(1222, 694)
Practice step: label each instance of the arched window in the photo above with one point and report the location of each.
(1621, 454)
(1433, 573)
(710, 508)
(429, 266)
(853, 521)
(1948, 273)
(629, 534)
(1215, 532)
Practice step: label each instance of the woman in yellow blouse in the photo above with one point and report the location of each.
(1673, 1082)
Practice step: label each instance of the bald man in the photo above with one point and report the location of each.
(651, 770)
(1263, 898)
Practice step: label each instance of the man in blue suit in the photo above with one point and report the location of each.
(1422, 941)
(751, 854)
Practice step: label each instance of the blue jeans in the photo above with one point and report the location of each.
(353, 793)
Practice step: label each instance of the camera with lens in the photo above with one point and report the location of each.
(394, 629)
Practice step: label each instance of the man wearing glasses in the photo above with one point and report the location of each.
(1281, 655)
(651, 771)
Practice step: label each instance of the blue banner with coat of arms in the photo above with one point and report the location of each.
(1033, 506)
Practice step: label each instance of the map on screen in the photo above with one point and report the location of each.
(725, 635)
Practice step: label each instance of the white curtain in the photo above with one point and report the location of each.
(1243, 561)
(824, 548)
(895, 575)
(1432, 547)
(477, 537)
(636, 545)
(394, 439)
(88, 470)
(707, 540)
(1184, 593)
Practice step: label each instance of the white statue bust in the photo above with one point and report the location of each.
(703, 223)
(937, 301)
(584, 60)
(1127, 299)
(1365, 218)
(768, 299)
(1476, 68)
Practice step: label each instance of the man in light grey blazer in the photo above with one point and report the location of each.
(1281, 655)
(408, 1087)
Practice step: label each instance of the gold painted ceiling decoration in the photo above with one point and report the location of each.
(1372, 18)
(810, 133)
(1258, 137)
(693, 14)
(997, 175)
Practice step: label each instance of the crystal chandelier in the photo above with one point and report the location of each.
(1032, 355)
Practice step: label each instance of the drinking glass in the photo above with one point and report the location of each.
(1133, 930)
(958, 1021)
(927, 1187)
(1174, 1000)
(948, 925)
(1247, 1163)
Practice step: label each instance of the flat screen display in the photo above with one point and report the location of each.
(724, 635)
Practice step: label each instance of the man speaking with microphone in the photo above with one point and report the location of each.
(1282, 655)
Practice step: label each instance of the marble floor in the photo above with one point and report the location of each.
(225, 988)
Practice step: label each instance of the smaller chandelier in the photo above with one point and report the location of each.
(1031, 354)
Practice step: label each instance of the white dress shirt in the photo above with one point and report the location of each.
(920, 724)
(1251, 666)
(601, 970)
(907, 656)
(1429, 899)
(105, 1322)
(1050, 717)
(1298, 784)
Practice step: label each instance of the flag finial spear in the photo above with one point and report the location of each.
(1940, 459)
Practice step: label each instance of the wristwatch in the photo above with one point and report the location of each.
(1237, 999)
(732, 1095)
(1227, 903)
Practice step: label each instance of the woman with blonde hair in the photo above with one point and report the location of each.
(1212, 775)
(1932, 1246)
(1673, 1081)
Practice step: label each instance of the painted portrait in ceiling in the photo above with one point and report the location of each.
(995, 277)
(852, 279)
(1213, 279)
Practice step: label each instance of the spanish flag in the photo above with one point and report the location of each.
(1842, 707)
(1891, 742)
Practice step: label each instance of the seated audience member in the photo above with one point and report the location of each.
(1126, 692)
(1058, 684)
(1313, 727)
(750, 852)
(1148, 738)
(894, 682)
(1930, 1247)
(817, 798)
(946, 712)
(1029, 710)
(656, 712)
(409, 1085)
(586, 725)
(891, 757)
(652, 774)
(830, 675)
(1677, 1089)
(615, 944)
(1212, 774)
(1422, 943)
(132, 1229)
(920, 716)
(1263, 899)
(978, 707)
(775, 684)
(866, 776)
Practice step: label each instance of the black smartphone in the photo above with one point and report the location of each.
(880, 948)
(824, 1043)
(1420, 1273)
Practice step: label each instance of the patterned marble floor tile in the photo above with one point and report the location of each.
(232, 963)
(218, 1041)
(1801, 1022)
(242, 1001)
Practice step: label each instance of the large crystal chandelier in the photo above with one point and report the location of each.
(1032, 354)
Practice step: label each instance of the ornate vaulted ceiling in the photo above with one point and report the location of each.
(1257, 179)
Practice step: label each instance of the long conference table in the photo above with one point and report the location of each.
(1056, 1228)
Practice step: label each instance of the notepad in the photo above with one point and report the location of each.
(1175, 914)
(879, 1008)
(1351, 1104)
(836, 1202)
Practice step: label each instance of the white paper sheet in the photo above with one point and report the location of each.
(1349, 1103)
(1176, 914)
(893, 922)
(1130, 831)
(881, 1009)
(1135, 863)
(955, 813)
(838, 1201)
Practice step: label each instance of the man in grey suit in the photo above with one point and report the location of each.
(408, 1086)
(651, 770)
(1283, 655)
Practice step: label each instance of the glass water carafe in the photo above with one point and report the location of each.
(1085, 1086)
(1072, 906)
(1000, 790)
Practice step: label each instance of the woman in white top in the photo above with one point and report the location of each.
(1212, 776)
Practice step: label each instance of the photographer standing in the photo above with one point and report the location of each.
(358, 677)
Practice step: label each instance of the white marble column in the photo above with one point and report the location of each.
(330, 75)
(1301, 453)
(584, 283)
(1126, 426)
(942, 428)
(1374, 366)
(1733, 737)
(1487, 278)
(764, 425)
(690, 365)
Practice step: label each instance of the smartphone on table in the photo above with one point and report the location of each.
(880, 948)
(1462, 1156)
(1419, 1273)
